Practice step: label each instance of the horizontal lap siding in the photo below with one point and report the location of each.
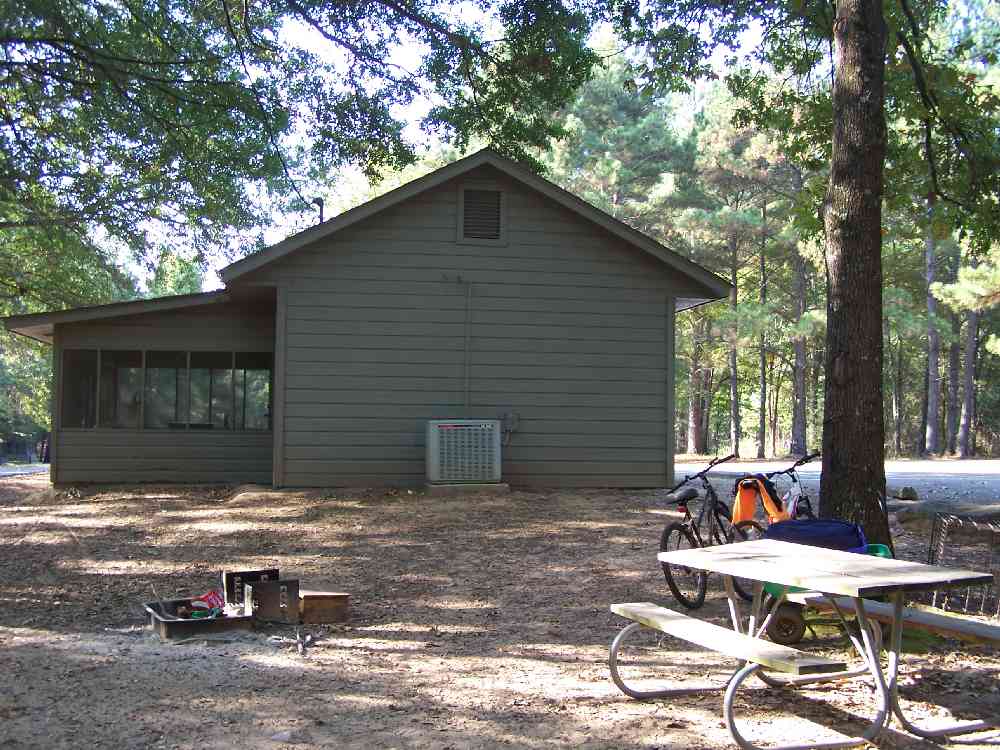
(111, 456)
(164, 456)
(209, 328)
(566, 329)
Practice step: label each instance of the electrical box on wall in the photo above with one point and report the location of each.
(463, 451)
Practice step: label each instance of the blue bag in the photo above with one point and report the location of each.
(820, 532)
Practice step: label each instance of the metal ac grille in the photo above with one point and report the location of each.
(467, 452)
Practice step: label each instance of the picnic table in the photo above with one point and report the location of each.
(845, 581)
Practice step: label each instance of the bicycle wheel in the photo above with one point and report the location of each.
(686, 584)
(745, 531)
(787, 626)
(803, 508)
(722, 529)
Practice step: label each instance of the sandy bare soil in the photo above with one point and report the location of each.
(477, 622)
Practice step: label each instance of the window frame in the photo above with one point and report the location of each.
(460, 237)
(97, 427)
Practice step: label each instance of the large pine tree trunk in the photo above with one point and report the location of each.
(798, 441)
(965, 446)
(853, 429)
(932, 441)
(735, 425)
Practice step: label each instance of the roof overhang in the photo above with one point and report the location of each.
(710, 286)
(41, 326)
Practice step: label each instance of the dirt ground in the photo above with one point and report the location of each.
(477, 621)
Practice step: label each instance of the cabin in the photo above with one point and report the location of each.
(478, 291)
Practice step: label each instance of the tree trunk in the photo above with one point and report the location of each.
(735, 426)
(706, 410)
(798, 442)
(853, 478)
(921, 447)
(932, 442)
(953, 408)
(897, 396)
(694, 396)
(954, 374)
(816, 362)
(965, 447)
(762, 365)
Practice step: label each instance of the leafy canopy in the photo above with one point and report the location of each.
(191, 119)
(942, 106)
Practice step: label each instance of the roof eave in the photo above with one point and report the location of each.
(40, 326)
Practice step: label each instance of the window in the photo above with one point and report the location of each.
(166, 390)
(253, 390)
(121, 388)
(211, 390)
(482, 215)
(79, 388)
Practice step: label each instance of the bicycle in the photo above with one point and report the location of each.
(687, 584)
(793, 504)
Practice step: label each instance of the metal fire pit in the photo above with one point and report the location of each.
(164, 621)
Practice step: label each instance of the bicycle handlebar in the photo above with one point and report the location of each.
(711, 464)
(791, 469)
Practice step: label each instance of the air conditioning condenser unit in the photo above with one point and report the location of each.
(463, 451)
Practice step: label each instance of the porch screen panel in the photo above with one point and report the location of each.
(212, 390)
(253, 390)
(166, 391)
(121, 388)
(79, 388)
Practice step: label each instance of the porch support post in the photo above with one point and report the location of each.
(670, 407)
(280, 358)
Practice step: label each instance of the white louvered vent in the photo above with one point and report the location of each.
(481, 215)
(463, 450)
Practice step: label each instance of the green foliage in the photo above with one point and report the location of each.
(25, 388)
(175, 275)
(193, 125)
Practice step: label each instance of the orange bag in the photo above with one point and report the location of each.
(748, 489)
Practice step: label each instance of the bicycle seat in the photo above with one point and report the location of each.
(681, 497)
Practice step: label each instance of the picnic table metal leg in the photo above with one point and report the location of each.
(895, 651)
(875, 728)
(734, 604)
(645, 695)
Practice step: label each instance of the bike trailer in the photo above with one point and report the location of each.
(787, 625)
(746, 492)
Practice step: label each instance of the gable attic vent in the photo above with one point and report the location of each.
(481, 215)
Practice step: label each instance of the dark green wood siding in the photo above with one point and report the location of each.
(566, 326)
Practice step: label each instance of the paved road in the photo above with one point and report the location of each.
(17, 470)
(952, 484)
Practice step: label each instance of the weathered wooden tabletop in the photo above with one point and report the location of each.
(818, 569)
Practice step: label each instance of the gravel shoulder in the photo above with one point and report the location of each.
(478, 621)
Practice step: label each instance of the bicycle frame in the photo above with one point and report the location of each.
(710, 503)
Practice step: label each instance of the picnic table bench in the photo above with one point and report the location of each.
(840, 581)
(950, 626)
